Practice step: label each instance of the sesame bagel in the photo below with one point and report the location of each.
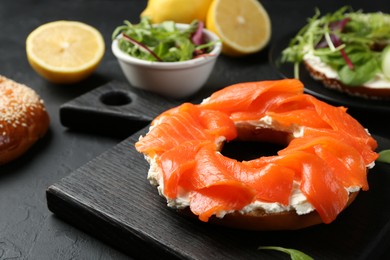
(23, 119)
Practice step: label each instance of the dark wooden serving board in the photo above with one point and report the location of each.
(110, 198)
(114, 108)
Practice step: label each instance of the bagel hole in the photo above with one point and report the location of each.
(249, 150)
(115, 98)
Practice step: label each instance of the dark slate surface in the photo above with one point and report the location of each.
(68, 153)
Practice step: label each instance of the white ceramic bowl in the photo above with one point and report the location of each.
(171, 79)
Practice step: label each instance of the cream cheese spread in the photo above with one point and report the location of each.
(378, 82)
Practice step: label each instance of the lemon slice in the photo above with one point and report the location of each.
(243, 26)
(65, 52)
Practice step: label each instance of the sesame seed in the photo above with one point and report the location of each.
(15, 101)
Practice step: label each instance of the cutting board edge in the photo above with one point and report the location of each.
(67, 209)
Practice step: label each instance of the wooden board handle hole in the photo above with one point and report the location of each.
(115, 98)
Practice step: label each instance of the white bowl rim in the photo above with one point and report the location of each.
(170, 65)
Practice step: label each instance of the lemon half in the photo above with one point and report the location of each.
(244, 26)
(178, 11)
(65, 52)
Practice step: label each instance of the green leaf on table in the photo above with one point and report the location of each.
(294, 254)
(384, 156)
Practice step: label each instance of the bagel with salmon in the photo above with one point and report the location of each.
(346, 50)
(312, 180)
(23, 119)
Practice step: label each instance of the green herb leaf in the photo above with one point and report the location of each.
(386, 62)
(162, 42)
(294, 254)
(361, 74)
(384, 156)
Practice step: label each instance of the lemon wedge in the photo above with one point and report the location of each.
(65, 52)
(244, 26)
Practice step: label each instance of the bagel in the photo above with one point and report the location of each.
(23, 119)
(333, 52)
(379, 88)
(310, 181)
(264, 221)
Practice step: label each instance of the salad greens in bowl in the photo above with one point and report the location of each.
(172, 59)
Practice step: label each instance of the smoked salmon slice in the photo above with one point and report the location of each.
(322, 190)
(318, 183)
(272, 183)
(252, 98)
(218, 124)
(343, 159)
(213, 201)
(342, 122)
(360, 144)
(301, 117)
(188, 123)
(216, 176)
(174, 167)
(215, 188)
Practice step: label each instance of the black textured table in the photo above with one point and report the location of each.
(29, 230)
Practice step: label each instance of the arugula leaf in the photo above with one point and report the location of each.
(294, 254)
(162, 42)
(361, 74)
